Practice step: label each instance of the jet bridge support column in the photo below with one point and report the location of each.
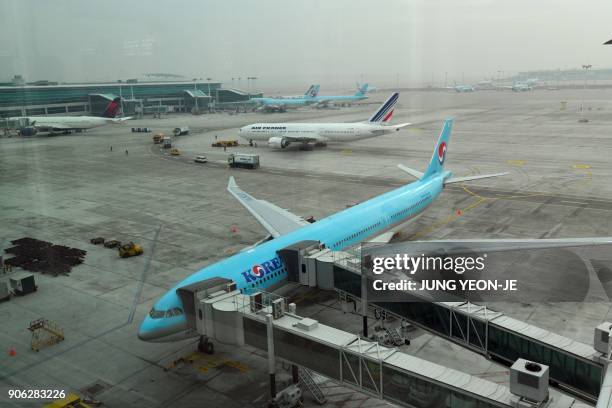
(364, 299)
(271, 359)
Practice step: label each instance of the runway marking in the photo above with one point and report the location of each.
(574, 202)
(581, 166)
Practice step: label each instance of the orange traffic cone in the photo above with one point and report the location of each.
(459, 212)
(12, 352)
(234, 229)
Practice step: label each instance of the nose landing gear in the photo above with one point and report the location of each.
(205, 345)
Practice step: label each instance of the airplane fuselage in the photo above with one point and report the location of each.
(67, 122)
(335, 132)
(340, 98)
(260, 267)
(284, 102)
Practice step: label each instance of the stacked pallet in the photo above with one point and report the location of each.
(41, 256)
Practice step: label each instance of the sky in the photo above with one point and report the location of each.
(292, 43)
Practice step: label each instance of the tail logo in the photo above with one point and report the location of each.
(258, 271)
(442, 152)
(112, 108)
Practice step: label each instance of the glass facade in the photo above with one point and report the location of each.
(406, 388)
(564, 368)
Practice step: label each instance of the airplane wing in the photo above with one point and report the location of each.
(274, 219)
(123, 119)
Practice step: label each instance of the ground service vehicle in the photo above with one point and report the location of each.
(225, 143)
(201, 159)
(167, 142)
(179, 131)
(242, 160)
(130, 249)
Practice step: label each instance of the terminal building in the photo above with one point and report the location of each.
(44, 98)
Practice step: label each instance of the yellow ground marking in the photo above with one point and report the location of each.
(450, 218)
(584, 170)
(507, 197)
(516, 162)
(481, 199)
(205, 362)
(346, 151)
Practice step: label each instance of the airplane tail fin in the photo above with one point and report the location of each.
(112, 108)
(312, 91)
(385, 112)
(436, 164)
(362, 90)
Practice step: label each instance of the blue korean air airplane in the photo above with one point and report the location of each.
(361, 94)
(282, 103)
(260, 267)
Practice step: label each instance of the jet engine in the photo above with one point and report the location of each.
(278, 142)
(28, 131)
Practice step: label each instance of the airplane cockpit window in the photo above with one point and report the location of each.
(156, 314)
(174, 312)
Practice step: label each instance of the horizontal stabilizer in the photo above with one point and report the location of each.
(401, 125)
(470, 178)
(414, 173)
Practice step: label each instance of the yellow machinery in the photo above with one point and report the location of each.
(71, 401)
(130, 249)
(225, 143)
(45, 333)
(158, 138)
(175, 152)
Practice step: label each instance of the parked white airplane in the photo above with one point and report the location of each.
(281, 135)
(66, 124)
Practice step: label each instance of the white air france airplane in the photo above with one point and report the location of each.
(281, 135)
(53, 124)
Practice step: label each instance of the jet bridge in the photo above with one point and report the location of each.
(575, 367)
(265, 321)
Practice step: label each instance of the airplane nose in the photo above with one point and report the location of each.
(145, 331)
(142, 335)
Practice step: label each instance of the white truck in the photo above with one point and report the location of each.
(243, 160)
(183, 130)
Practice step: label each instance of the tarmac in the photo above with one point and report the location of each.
(67, 189)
